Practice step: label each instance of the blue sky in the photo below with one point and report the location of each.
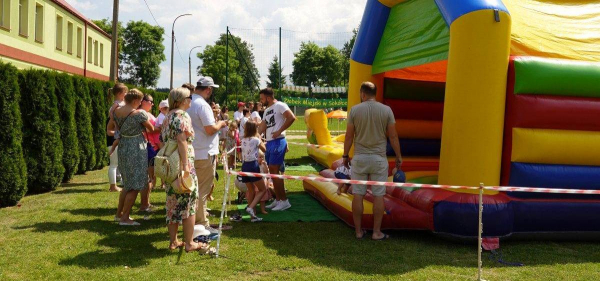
(326, 21)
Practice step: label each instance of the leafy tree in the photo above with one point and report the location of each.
(143, 52)
(99, 114)
(42, 145)
(83, 120)
(106, 26)
(68, 127)
(307, 65)
(13, 178)
(273, 75)
(214, 65)
(346, 52)
(245, 56)
(330, 72)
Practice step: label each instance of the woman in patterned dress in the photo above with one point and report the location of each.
(181, 208)
(133, 156)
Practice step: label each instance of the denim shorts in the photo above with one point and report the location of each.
(251, 167)
(151, 154)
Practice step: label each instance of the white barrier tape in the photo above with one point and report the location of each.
(436, 186)
(233, 149)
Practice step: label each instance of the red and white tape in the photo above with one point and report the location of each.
(436, 186)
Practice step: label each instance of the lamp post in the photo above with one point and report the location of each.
(190, 63)
(173, 45)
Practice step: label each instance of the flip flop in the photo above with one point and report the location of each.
(364, 232)
(133, 223)
(385, 236)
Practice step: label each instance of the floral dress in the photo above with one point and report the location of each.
(180, 206)
(133, 155)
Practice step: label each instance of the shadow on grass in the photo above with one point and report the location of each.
(74, 184)
(129, 246)
(78, 190)
(333, 244)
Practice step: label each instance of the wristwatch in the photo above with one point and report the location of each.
(345, 156)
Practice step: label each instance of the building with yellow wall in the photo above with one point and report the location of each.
(50, 34)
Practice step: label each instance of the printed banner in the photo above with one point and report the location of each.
(316, 103)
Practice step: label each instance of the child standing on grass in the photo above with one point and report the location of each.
(231, 142)
(264, 169)
(251, 144)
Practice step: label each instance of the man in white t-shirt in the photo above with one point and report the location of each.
(276, 119)
(206, 144)
(237, 116)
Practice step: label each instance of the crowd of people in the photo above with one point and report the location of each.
(203, 132)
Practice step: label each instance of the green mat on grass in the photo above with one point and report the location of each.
(304, 208)
(304, 168)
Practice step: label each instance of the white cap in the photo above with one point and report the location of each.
(163, 103)
(206, 81)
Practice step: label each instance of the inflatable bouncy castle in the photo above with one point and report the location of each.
(483, 91)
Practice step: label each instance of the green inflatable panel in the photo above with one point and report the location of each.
(539, 76)
(415, 34)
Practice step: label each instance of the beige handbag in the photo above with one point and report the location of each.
(183, 184)
(167, 162)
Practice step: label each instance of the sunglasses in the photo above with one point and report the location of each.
(150, 101)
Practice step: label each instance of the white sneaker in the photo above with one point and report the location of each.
(283, 205)
(251, 212)
(272, 205)
(256, 219)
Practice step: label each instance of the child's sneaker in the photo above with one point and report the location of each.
(236, 218)
(251, 212)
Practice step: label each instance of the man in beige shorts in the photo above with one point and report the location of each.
(206, 145)
(368, 125)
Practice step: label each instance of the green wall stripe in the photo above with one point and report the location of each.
(539, 76)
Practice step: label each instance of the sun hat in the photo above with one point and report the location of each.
(163, 103)
(200, 230)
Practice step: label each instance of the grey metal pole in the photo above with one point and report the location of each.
(227, 66)
(114, 42)
(190, 64)
(173, 46)
(280, 62)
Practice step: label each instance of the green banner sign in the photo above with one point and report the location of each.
(316, 103)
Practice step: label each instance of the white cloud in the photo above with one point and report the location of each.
(82, 6)
(309, 19)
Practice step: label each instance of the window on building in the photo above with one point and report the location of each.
(89, 50)
(59, 33)
(5, 14)
(39, 23)
(70, 38)
(101, 55)
(79, 39)
(23, 17)
(96, 52)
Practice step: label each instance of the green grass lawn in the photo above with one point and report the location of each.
(69, 234)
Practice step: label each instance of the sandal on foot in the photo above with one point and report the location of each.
(364, 232)
(385, 236)
(118, 219)
(179, 245)
(201, 249)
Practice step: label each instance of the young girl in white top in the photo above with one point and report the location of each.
(251, 144)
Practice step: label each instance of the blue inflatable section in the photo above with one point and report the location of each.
(555, 216)
(416, 147)
(453, 9)
(554, 176)
(371, 29)
(462, 218)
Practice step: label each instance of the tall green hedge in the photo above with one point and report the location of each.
(42, 144)
(13, 178)
(87, 152)
(99, 114)
(65, 93)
